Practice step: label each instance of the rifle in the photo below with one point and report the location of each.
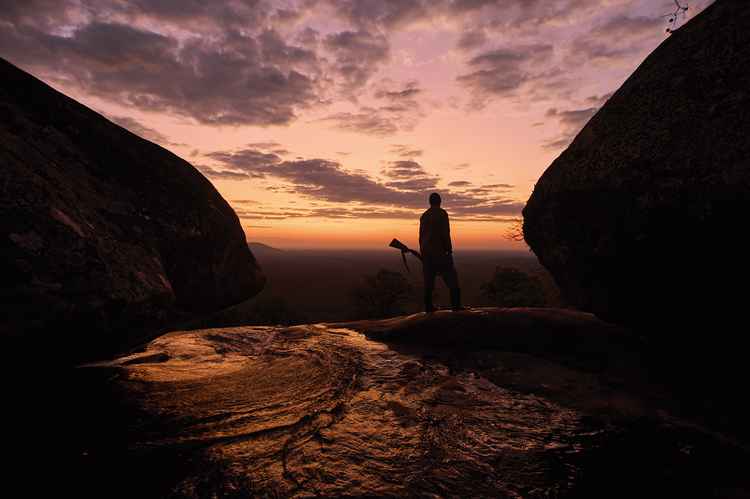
(404, 250)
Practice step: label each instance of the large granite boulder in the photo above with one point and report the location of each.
(643, 217)
(104, 236)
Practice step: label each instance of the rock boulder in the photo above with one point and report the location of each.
(644, 215)
(104, 236)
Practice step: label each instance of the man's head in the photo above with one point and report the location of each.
(435, 199)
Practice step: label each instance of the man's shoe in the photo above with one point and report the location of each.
(430, 310)
(459, 308)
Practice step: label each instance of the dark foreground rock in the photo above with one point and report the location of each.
(104, 236)
(490, 402)
(642, 219)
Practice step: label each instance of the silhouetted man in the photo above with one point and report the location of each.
(437, 253)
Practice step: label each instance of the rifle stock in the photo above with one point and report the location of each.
(395, 243)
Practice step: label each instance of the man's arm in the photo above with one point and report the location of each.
(447, 234)
(421, 231)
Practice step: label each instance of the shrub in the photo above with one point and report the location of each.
(384, 294)
(511, 287)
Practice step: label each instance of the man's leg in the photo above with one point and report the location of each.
(429, 285)
(450, 277)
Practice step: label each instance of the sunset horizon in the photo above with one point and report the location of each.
(326, 124)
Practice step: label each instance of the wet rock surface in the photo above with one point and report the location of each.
(104, 236)
(640, 219)
(486, 402)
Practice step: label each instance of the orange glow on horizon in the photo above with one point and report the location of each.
(375, 235)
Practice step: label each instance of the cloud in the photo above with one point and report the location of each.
(532, 69)
(523, 16)
(214, 174)
(382, 14)
(354, 213)
(410, 91)
(230, 80)
(37, 12)
(624, 27)
(598, 100)
(415, 184)
(247, 160)
(571, 122)
(140, 129)
(400, 111)
(250, 62)
(266, 146)
(575, 118)
(276, 50)
(502, 72)
(329, 181)
(405, 151)
(408, 186)
(357, 55)
(327, 212)
(471, 39)
(389, 15)
(272, 147)
(409, 176)
(193, 15)
(479, 191)
(404, 169)
(616, 40)
(369, 121)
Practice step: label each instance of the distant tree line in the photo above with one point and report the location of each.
(510, 287)
(389, 294)
(384, 294)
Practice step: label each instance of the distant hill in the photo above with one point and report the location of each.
(259, 248)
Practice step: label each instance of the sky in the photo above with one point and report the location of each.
(327, 123)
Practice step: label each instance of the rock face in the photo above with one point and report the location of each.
(104, 236)
(480, 403)
(644, 214)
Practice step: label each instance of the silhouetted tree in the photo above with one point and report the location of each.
(674, 17)
(511, 287)
(381, 295)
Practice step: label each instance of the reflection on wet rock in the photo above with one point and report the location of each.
(323, 410)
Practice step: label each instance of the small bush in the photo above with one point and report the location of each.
(384, 294)
(511, 287)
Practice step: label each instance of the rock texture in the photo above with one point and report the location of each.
(104, 236)
(644, 215)
(480, 403)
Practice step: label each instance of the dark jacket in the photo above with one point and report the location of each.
(435, 235)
